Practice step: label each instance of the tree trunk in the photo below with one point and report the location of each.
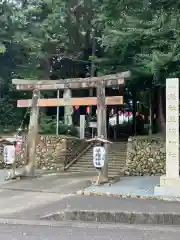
(134, 112)
(150, 112)
(161, 114)
(30, 159)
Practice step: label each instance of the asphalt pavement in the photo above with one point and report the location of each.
(18, 198)
(72, 231)
(53, 197)
(23, 203)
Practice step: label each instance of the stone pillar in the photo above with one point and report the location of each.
(68, 109)
(170, 183)
(82, 127)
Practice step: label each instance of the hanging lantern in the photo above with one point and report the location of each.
(112, 111)
(126, 114)
(18, 145)
(88, 110)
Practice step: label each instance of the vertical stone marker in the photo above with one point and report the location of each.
(172, 128)
(170, 183)
(82, 126)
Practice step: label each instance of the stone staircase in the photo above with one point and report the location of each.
(116, 157)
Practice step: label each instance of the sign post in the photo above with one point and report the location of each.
(99, 157)
(170, 183)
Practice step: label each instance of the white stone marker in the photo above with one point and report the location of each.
(170, 183)
(172, 128)
(82, 127)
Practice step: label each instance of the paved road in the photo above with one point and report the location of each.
(18, 198)
(32, 204)
(68, 231)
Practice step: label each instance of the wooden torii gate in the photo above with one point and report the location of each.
(100, 83)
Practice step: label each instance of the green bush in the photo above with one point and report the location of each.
(48, 126)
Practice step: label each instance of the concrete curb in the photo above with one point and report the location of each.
(115, 217)
(164, 198)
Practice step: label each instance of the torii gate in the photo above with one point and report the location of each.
(100, 83)
(72, 83)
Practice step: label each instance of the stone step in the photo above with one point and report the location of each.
(109, 153)
(89, 163)
(93, 170)
(120, 159)
(110, 160)
(92, 167)
(110, 174)
(109, 156)
(117, 158)
(113, 150)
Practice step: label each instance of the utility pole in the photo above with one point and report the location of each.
(30, 159)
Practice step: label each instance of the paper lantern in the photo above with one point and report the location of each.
(88, 110)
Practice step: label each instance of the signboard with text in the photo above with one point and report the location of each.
(9, 154)
(99, 156)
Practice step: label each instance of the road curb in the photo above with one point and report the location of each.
(162, 198)
(115, 217)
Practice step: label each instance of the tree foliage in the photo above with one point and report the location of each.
(141, 36)
(144, 37)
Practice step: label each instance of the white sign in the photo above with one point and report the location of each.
(93, 124)
(99, 156)
(172, 127)
(82, 126)
(9, 154)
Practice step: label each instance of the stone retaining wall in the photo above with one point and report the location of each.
(145, 156)
(53, 152)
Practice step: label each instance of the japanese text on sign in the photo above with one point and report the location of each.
(171, 119)
(9, 154)
(172, 127)
(99, 156)
(171, 96)
(172, 108)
